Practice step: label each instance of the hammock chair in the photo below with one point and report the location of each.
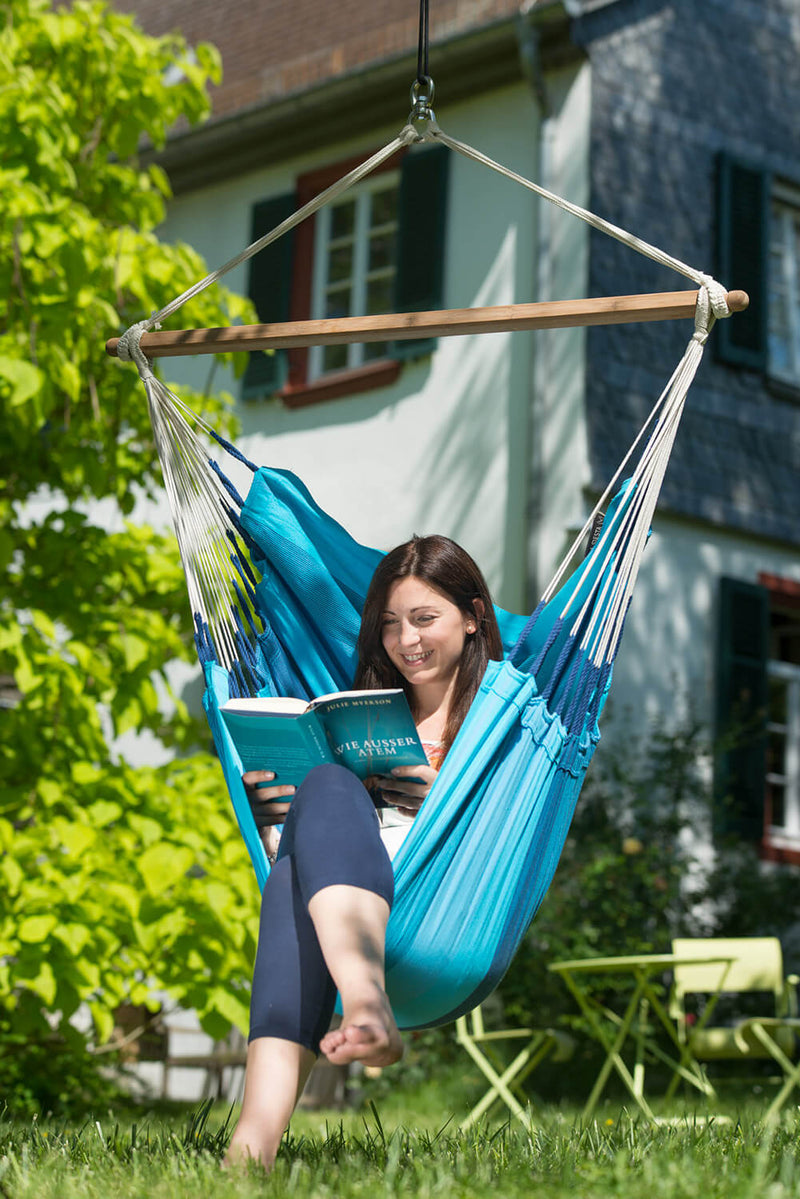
(277, 588)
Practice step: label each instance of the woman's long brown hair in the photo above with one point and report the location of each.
(449, 569)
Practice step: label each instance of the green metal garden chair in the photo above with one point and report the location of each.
(754, 967)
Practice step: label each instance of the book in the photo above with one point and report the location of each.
(369, 732)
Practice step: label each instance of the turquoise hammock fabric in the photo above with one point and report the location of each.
(482, 852)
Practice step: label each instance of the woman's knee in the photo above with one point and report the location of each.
(333, 788)
(333, 835)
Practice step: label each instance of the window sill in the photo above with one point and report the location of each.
(334, 386)
(783, 389)
(780, 849)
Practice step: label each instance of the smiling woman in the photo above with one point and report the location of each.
(428, 626)
(428, 597)
(423, 635)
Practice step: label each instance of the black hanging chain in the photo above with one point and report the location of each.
(422, 53)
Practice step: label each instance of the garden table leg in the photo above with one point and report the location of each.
(641, 1037)
(613, 1058)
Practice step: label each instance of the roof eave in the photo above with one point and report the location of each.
(476, 62)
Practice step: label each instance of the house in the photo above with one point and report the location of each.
(674, 120)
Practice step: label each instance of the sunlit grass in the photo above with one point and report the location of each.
(408, 1142)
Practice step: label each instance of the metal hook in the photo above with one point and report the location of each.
(422, 115)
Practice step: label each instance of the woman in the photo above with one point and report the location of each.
(429, 627)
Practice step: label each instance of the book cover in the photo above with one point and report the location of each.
(369, 732)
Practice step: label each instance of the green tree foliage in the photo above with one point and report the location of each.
(115, 882)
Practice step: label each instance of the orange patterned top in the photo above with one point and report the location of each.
(434, 751)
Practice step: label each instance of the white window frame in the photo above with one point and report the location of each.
(784, 252)
(787, 835)
(362, 194)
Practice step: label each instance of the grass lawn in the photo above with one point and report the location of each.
(405, 1144)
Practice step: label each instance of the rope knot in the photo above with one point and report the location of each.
(717, 296)
(712, 303)
(129, 349)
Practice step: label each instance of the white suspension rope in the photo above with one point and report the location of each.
(197, 526)
(624, 541)
(199, 504)
(602, 637)
(717, 293)
(404, 138)
(202, 532)
(429, 130)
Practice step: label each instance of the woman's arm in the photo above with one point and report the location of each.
(269, 806)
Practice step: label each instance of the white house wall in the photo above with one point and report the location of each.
(559, 455)
(447, 448)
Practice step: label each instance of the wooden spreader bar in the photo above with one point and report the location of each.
(557, 314)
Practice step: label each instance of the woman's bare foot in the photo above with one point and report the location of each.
(367, 1034)
(243, 1150)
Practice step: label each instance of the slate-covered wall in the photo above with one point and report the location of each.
(674, 84)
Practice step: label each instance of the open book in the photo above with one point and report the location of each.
(369, 732)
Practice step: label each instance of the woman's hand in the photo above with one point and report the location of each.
(267, 807)
(266, 801)
(406, 787)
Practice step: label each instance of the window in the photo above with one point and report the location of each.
(757, 774)
(783, 754)
(782, 807)
(758, 249)
(740, 761)
(379, 248)
(355, 258)
(784, 286)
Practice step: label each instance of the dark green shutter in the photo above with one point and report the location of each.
(269, 287)
(421, 236)
(743, 204)
(742, 697)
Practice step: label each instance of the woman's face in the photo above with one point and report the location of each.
(423, 632)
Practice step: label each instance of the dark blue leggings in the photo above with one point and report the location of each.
(331, 836)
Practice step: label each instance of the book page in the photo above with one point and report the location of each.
(283, 705)
(324, 699)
